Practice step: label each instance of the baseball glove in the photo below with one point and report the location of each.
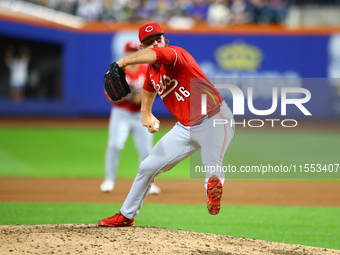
(115, 83)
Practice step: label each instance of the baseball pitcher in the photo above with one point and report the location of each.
(175, 76)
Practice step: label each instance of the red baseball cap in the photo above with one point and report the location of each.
(149, 30)
(131, 46)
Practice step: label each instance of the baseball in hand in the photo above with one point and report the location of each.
(156, 125)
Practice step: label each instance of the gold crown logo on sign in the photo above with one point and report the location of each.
(239, 56)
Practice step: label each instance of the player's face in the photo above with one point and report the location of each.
(154, 42)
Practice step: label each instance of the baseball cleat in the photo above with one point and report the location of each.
(214, 194)
(154, 189)
(117, 220)
(107, 186)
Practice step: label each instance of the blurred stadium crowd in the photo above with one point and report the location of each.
(180, 13)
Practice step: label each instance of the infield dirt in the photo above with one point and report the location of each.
(173, 192)
(90, 239)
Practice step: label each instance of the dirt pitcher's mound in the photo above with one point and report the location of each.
(90, 239)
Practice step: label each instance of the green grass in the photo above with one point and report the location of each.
(70, 152)
(287, 147)
(312, 226)
(66, 152)
(281, 148)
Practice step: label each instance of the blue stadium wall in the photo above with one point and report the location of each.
(87, 55)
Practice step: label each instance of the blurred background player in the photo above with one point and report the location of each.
(17, 60)
(125, 118)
